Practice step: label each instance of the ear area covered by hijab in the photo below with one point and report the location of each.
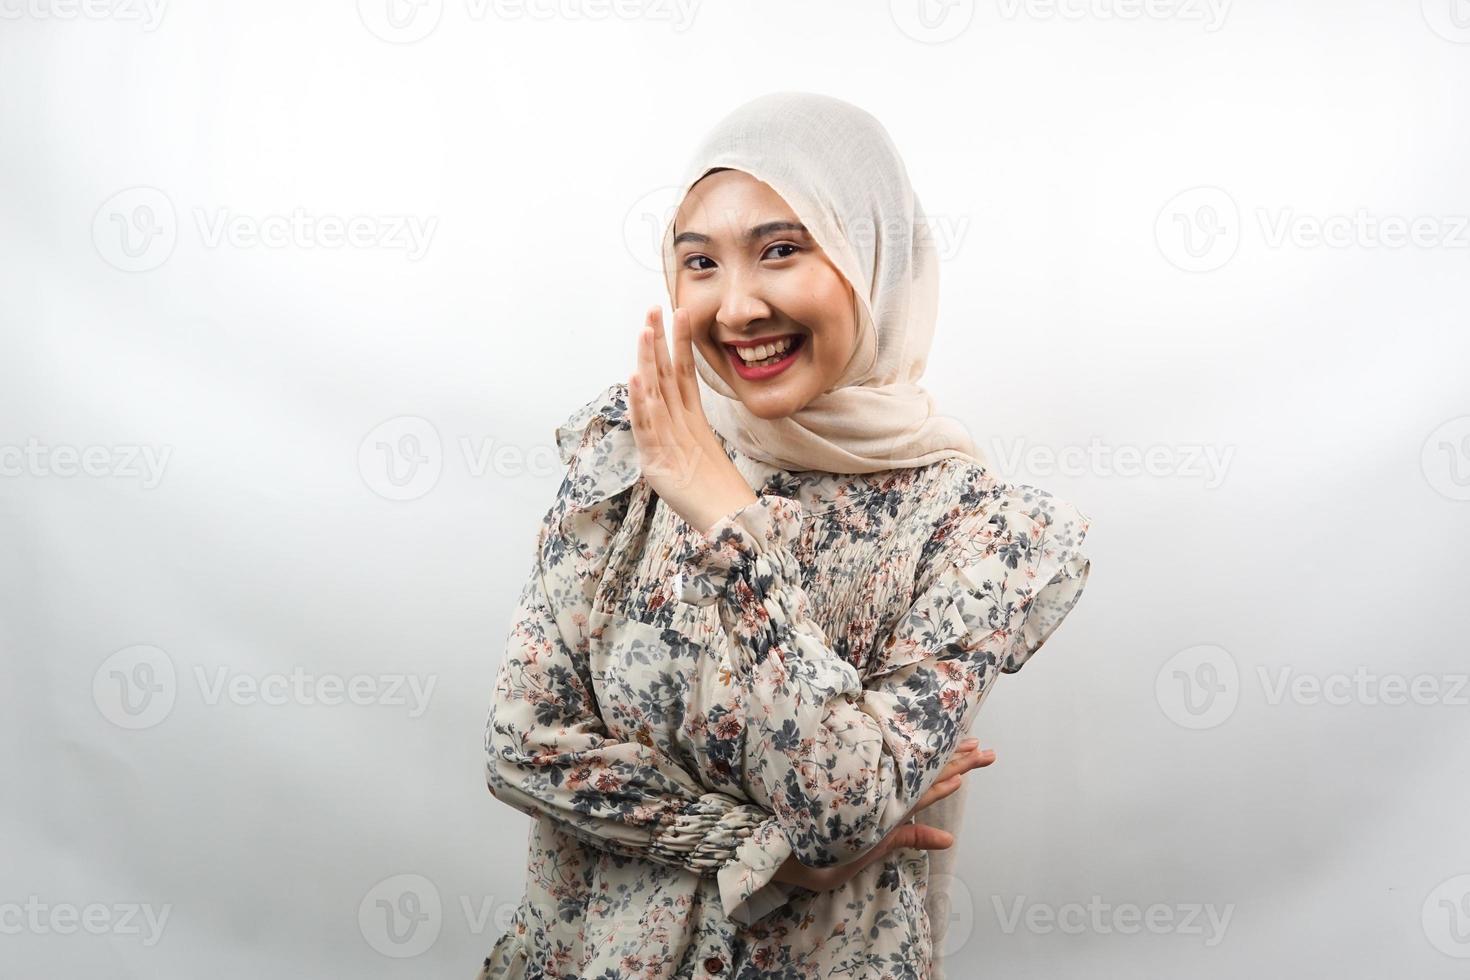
(836, 167)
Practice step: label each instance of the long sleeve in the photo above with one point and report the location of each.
(548, 751)
(840, 761)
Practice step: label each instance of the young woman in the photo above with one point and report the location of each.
(764, 610)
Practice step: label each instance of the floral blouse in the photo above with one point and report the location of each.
(681, 712)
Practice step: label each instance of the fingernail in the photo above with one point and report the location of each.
(969, 743)
(988, 754)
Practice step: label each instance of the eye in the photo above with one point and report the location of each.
(794, 249)
(696, 258)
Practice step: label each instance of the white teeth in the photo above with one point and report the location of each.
(753, 355)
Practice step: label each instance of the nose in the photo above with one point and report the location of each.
(741, 304)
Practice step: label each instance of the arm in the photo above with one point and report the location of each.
(548, 752)
(840, 763)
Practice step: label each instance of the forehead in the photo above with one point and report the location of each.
(726, 204)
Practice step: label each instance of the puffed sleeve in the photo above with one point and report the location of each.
(548, 752)
(841, 760)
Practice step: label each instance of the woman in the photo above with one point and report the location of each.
(724, 704)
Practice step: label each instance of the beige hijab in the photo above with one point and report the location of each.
(835, 165)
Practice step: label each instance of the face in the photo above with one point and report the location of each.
(753, 280)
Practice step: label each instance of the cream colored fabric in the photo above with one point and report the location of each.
(837, 168)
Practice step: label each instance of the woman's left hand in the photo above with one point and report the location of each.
(680, 456)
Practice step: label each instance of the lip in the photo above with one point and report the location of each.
(761, 373)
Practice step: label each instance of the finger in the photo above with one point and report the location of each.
(930, 838)
(663, 367)
(657, 412)
(920, 836)
(938, 791)
(684, 364)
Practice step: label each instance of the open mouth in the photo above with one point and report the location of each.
(757, 361)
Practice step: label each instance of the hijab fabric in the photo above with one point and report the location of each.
(836, 167)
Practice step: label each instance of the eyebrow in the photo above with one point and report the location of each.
(759, 231)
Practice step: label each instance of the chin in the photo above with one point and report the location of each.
(772, 404)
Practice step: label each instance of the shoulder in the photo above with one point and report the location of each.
(972, 504)
(596, 443)
(606, 411)
(1015, 542)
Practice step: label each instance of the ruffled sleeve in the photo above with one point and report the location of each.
(596, 442)
(1032, 529)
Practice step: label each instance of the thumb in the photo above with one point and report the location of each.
(923, 837)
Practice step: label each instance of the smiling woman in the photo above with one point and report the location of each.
(759, 291)
(770, 597)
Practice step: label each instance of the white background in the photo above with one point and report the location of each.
(1130, 192)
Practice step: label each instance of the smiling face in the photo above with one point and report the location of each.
(754, 281)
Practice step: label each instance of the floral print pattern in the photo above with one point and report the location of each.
(683, 711)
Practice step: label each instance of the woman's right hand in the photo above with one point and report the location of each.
(968, 755)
